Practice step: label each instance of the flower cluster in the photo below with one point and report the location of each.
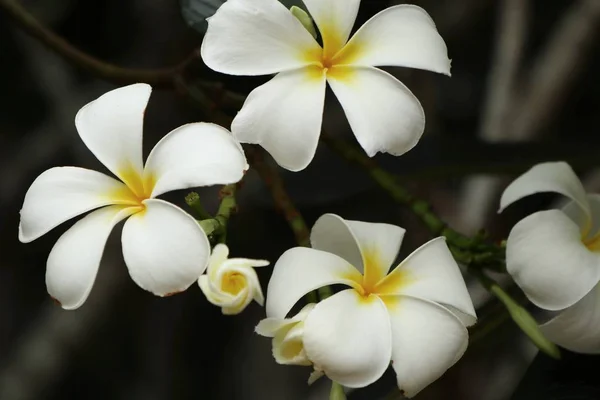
(414, 316)
(383, 316)
(164, 247)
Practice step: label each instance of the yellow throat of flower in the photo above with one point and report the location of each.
(334, 58)
(138, 188)
(374, 282)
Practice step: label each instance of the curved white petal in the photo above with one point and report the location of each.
(431, 273)
(112, 127)
(335, 19)
(578, 327)
(62, 193)
(256, 37)
(284, 116)
(427, 339)
(73, 262)
(349, 338)
(164, 248)
(301, 270)
(546, 258)
(556, 177)
(383, 114)
(270, 326)
(373, 245)
(192, 155)
(332, 234)
(288, 346)
(403, 36)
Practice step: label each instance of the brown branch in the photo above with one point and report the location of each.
(282, 200)
(163, 77)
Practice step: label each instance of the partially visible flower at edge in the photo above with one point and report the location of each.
(164, 248)
(414, 316)
(554, 255)
(262, 37)
(231, 283)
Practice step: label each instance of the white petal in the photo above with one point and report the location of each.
(546, 258)
(403, 36)
(384, 115)
(256, 37)
(74, 259)
(270, 326)
(62, 193)
(431, 273)
(427, 339)
(288, 346)
(556, 177)
(112, 127)
(301, 270)
(578, 327)
(360, 243)
(194, 155)
(335, 19)
(284, 116)
(349, 338)
(164, 248)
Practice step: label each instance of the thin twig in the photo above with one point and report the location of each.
(216, 227)
(283, 202)
(163, 77)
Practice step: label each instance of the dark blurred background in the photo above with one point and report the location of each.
(524, 89)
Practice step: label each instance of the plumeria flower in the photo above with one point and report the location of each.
(414, 316)
(231, 283)
(554, 255)
(164, 248)
(261, 37)
(287, 334)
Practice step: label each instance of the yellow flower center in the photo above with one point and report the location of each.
(334, 58)
(137, 187)
(233, 283)
(593, 243)
(373, 282)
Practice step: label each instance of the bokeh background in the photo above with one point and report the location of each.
(524, 89)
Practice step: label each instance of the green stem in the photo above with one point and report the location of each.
(217, 227)
(337, 392)
(471, 251)
(193, 201)
(518, 313)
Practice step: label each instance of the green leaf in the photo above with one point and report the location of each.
(526, 322)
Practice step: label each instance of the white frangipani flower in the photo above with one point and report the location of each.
(261, 37)
(554, 255)
(164, 248)
(287, 334)
(414, 316)
(231, 283)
